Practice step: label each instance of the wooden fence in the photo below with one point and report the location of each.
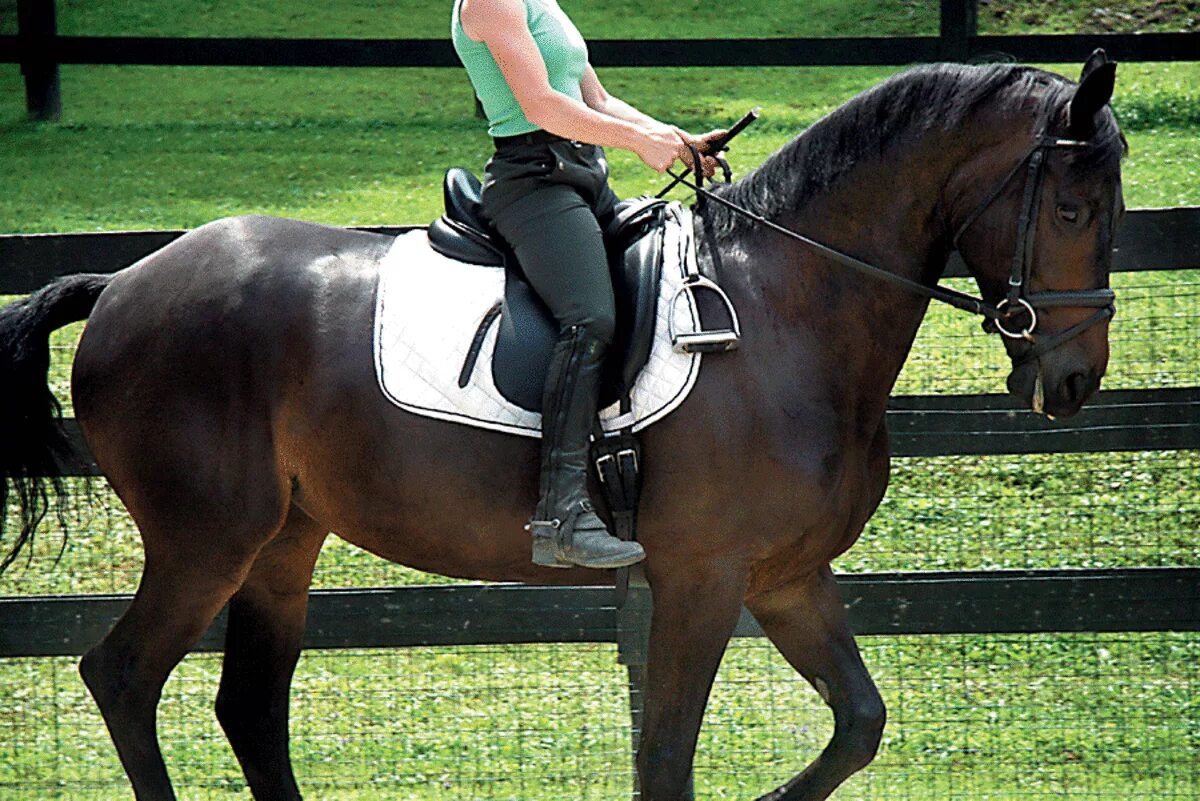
(926, 602)
(40, 50)
(1139, 599)
(1108, 600)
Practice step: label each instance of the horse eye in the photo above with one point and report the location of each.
(1068, 214)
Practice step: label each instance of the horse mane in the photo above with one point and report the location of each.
(893, 113)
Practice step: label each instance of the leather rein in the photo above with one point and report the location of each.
(1017, 303)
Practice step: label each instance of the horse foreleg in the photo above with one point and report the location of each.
(806, 621)
(695, 611)
(262, 645)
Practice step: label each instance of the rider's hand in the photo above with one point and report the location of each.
(702, 143)
(659, 147)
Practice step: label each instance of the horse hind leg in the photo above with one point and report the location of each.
(807, 622)
(262, 646)
(200, 539)
(125, 671)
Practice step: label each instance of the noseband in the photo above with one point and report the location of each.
(1017, 302)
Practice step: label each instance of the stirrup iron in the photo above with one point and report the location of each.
(715, 340)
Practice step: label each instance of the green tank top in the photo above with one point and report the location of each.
(562, 48)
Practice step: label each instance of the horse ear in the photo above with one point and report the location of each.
(1093, 93)
(1097, 58)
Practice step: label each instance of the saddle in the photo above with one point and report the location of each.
(528, 330)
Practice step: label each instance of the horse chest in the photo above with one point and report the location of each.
(822, 491)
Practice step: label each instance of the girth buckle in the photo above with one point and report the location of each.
(625, 461)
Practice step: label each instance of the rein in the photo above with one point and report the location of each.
(1016, 303)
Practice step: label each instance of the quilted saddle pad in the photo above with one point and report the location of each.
(429, 307)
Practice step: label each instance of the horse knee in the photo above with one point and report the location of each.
(859, 735)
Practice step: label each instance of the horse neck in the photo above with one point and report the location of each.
(806, 315)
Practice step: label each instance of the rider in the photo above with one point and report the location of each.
(546, 192)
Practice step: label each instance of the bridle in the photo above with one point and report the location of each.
(1018, 301)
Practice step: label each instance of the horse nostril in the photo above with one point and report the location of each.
(1076, 387)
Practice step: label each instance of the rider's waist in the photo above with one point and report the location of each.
(532, 138)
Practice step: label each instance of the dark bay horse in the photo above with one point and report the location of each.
(226, 387)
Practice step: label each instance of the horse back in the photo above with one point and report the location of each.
(218, 324)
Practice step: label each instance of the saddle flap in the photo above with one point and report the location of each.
(636, 273)
(528, 330)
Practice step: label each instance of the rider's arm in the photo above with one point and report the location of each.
(501, 25)
(595, 96)
(598, 98)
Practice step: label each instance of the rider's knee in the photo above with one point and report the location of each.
(601, 326)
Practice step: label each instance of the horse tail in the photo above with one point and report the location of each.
(32, 438)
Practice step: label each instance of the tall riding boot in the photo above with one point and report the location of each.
(566, 530)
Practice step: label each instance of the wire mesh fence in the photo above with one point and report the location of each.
(1153, 339)
(1099, 716)
(970, 717)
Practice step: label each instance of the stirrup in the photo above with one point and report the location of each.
(714, 340)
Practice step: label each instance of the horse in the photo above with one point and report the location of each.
(225, 385)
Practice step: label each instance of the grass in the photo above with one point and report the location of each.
(1015, 717)
(369, 146)
(1090, 716)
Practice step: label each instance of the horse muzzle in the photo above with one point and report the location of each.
(1052, 393)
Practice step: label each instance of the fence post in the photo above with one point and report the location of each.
(633, 650)
(36, 28)
(958, 25)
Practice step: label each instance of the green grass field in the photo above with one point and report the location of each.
(1045, 717)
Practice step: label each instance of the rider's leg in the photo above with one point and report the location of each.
(558, 242)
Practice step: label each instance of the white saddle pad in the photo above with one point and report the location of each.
(428, 308)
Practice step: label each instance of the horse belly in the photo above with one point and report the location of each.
(440, 497)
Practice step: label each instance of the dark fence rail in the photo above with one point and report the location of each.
(999, 602)
(39, 50)
(980, 425)
(742, 52)
(1149, 239)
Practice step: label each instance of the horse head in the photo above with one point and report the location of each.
(1040, 244)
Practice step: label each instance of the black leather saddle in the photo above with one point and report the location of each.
(527, 328)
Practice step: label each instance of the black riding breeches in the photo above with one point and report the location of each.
(550, 202)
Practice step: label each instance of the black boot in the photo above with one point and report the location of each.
(566, 530)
